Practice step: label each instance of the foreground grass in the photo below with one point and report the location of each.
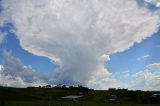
(116, 104)
(36, 103)
(66, 103)
(52, 97)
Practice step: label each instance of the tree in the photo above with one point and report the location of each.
(64, 87)
(48, 86)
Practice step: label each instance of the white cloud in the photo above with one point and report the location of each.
(1, 37)
(148, 79)
(126, 75)
(156, 2)
(124, 72)
(14, 73)
(14, 67)
(104, 58)
(18, 82)
(78, 34)
(1, 68)
(154, 66)
(143, 57)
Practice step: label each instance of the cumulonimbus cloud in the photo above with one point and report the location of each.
(79, 35)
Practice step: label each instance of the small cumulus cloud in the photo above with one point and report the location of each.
(1, 68)
(2, 36)
(127, 71)
(143, 57)
(154, 66)
(127, 75)
(124, 74)
(147, 79)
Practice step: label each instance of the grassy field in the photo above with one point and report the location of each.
(66, 103)
(52, 97)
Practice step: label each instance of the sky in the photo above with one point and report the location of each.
(95, 43)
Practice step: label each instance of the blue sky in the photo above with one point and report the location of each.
(11, 44)
(91, 43)
(130, 59)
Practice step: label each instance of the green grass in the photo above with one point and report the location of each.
(67, 103)
(51, 97)
(37, 103)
